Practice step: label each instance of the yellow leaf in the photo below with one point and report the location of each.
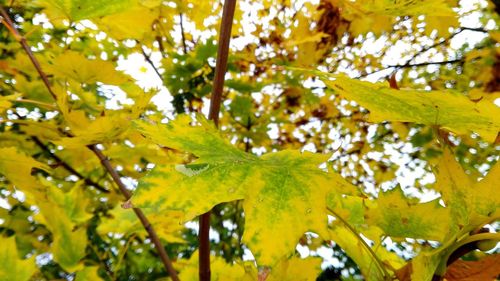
(6, 102)
(221, 271)
(103, 129)
(448, 109)
(16, 167)
(12, 268)
(136, 22)
(441, 24)
(124, 221)
(296, 269)
(77, 67)
(361, 255)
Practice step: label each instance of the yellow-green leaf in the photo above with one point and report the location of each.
(88, 273)
(361, 255)
(450, 110)
(17, 166)
(296, 269)
(12, 268)
(83, 9)
(125, 221)
(399, 217)
(284, 192)
(486, 192)
(455, 188)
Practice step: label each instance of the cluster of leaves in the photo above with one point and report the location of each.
(289, 88)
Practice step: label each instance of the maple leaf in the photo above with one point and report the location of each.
(400, 218)
(447, 109)
(12, 268)
(124, 221)
(17, 167)
(75, 66)
(283, 193)
(62, 213)
(83, 9)
(465, 200)
(88, 273)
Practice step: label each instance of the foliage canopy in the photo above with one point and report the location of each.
(357, 140)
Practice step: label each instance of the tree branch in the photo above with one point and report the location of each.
(144, 221)
(7, 21)
(426, 63)
(105, 162)
(423, 50)
(68, 167)
(148, 59)
(215, 102)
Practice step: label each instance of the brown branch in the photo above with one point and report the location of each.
(7, 21)
(105, 162)
(423, 50)
(148, 59)
(144, 221)
(215, 102)
(461, 60)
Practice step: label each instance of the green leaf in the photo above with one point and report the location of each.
(89, 273)
(12, 268)
(448, 109)
(68, 245)
(63, 214)
(284, 193)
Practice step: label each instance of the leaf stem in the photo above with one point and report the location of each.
(7, 21)
(215, 102)
(363, 242)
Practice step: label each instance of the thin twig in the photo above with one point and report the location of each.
(215, 102)
(427, 63)
(423, 50)
(7, 21)
(184, 47)
(105, 162)
(148, 60)
(68, 167)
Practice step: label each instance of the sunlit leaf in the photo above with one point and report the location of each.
(284, 192)
(447, 109)
(398, 217)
